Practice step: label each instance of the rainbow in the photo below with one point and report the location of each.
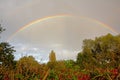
(58, 16)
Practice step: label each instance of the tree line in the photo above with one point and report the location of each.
(98, 60)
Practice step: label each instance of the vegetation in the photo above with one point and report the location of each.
(98, 60)
(52, 57)
(6, 53)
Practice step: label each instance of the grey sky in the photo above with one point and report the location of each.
(16, 13)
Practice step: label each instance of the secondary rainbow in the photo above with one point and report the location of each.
(58, 16)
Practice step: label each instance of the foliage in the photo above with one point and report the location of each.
(101, 51)
(52, 60)
(69, 63)
(28, 66)
(99, 60)
(6, 53)
(52, 57)
(6, 59)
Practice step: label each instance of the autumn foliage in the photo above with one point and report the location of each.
(99, 60)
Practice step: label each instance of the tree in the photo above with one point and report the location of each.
(6, 52)
(52, 60)
(80, 59)
(52, 57)
(101, 51)
(69, 64)
(28, 66)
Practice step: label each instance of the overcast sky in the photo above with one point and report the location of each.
(15, 14)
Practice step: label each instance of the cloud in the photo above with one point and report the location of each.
(66, 54)
(17, 13)
(63, 35)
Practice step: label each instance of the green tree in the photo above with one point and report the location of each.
(6, 52)
(69, 63)
(101, 51)
(80, 59)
